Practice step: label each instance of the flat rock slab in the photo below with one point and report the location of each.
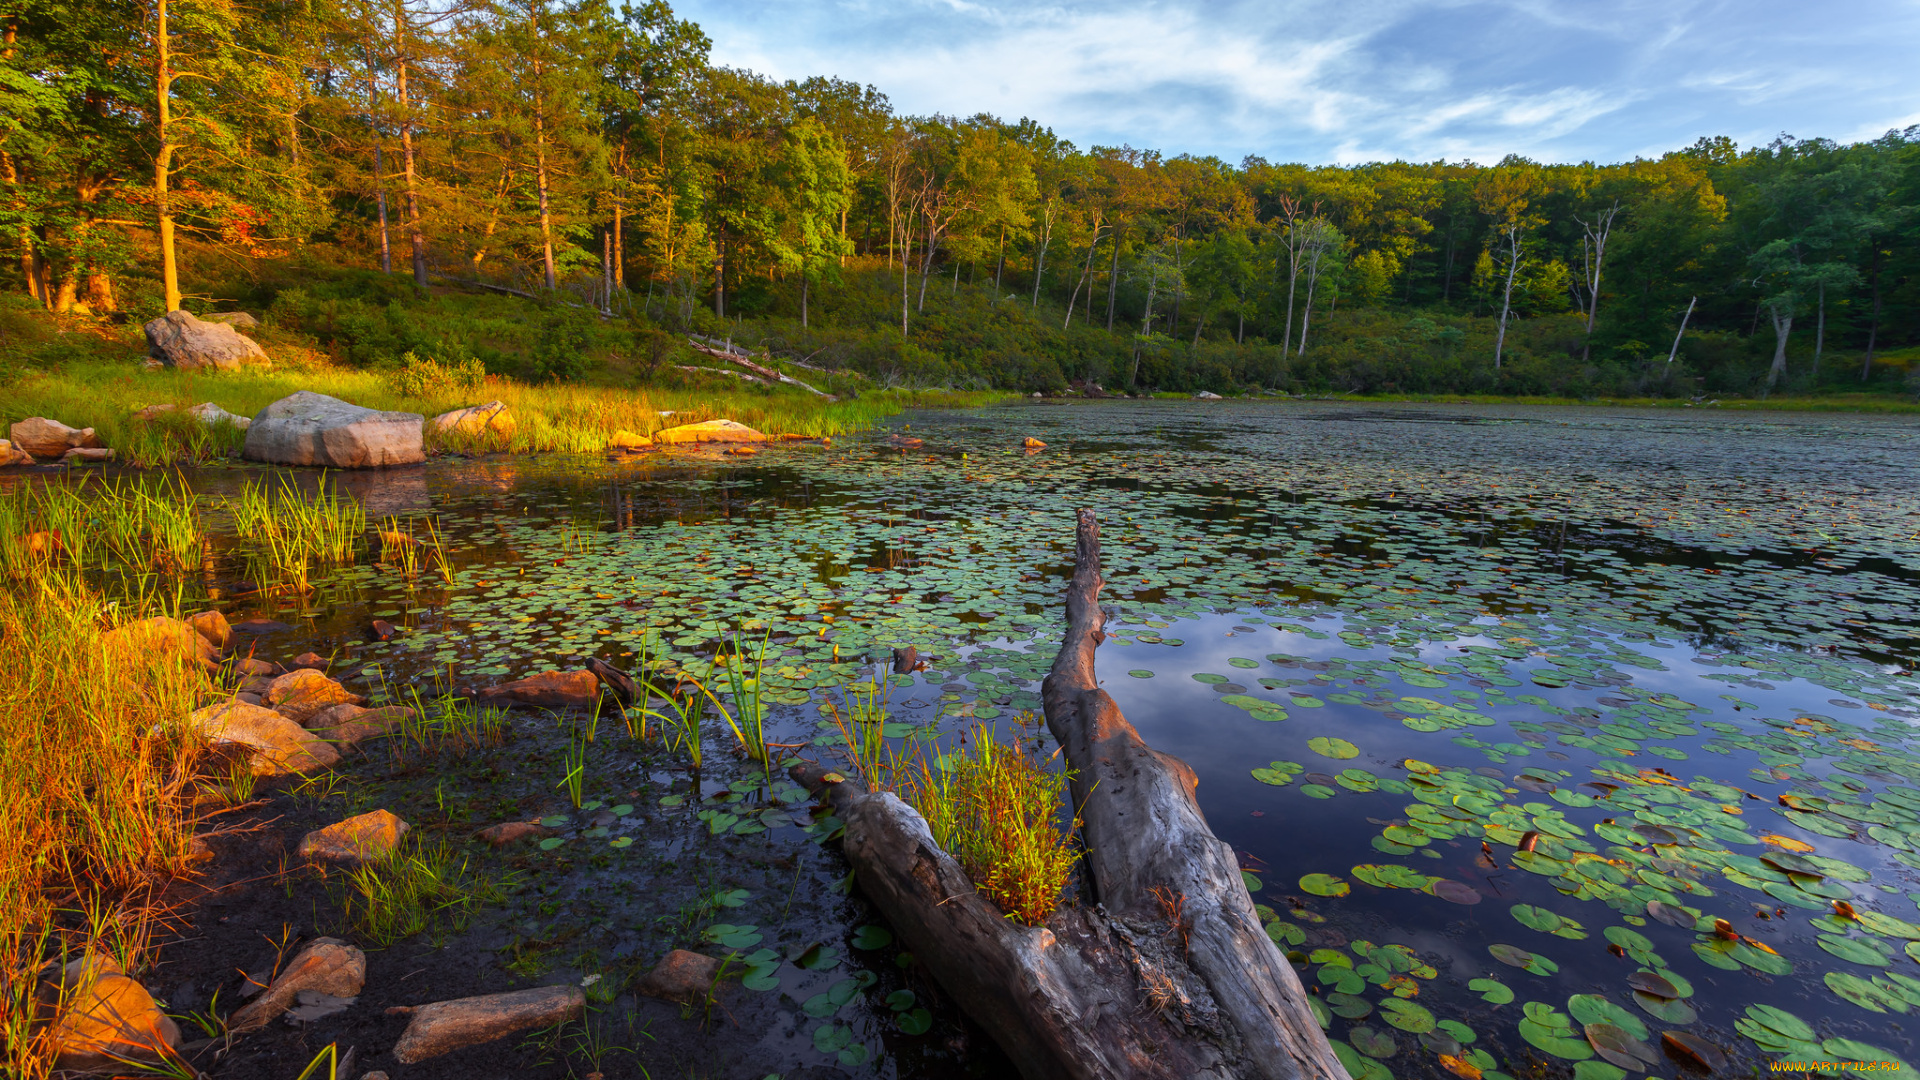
(367, 838)
(708, 431)
(510, 832)
(548, 690)
(445, 1026)
(346, 726)
(108, 1018)
(279, 745)
(44, 438)
(301, 693)
(680, 976)
(492, 417)
(306, 428)
(13, 455)
(326, 966)
(182, 340)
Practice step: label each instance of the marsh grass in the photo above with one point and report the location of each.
(741, 681)
(107, 394)
(997, 810)
(861, 715)
(133, 524)
(291, 530)
(447, 723)
(423, 886)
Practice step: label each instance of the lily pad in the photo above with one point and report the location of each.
(1337, 749)
(1324, 885)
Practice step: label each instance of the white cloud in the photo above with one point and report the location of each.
(1319, 80)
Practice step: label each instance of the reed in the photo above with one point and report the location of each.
(422, 886)
(291, 530)
(748, 717)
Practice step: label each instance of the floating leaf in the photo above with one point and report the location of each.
(1371, 1042)
(1337, 749)
(1491, 990)
(1513, 956)
(1694, 1049)
(1855, 950)
(872, 937)
(1621, 1046)
(1406, 1015)
(1325, 885)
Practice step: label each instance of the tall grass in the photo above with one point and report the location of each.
(748, 717)
(422, 886)
(138, 524)
(997, 810)
(291, 530)
(97, 783)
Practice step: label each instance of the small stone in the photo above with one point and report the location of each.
(239, 320)
(514, 831)
(680, 976)
(312, 660)
(326, 966)
(708, 431)
(367, 838)
(13, 455)
(445, 1026)
(1034, 444)
(345, 727)
(302, 692)
(906, 660)
(743, 451)
(374, 1075)
(627, 440)
(1205, 395)
(161, 634)
(247, 665)
(382, 630)
(279, 745)
(107, 1016)
(87, 453)
(492, 418)
(212, 625)
(44, 438)
(548, 689)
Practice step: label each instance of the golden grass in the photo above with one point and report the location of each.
(996, 809)
(96, 793)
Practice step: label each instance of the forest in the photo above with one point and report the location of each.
(335, 164)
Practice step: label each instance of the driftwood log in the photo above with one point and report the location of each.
(1167, 974)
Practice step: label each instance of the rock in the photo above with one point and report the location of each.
(239, 320)
(44, 438)
(83, 454)
(493, 418)
(311, 660)
(627, 440)
(247, 665)
(212, 625)
(446, 1026)
(622, 684)
(345, 727)
(906, 660)
(708, 431)
(1206, 395)
(181, 340)
(367, 838)
(904, 442)
(326, 966)
(107, 1015)
(680, 976)
(302, 692)
(206, 412)
(1034, 444)
(548, 689)
(743, 451)
(13, 455)
(161, 634)
(382, 630)
(306, 428)
(250, 698)
(279, 745)
(513, 831)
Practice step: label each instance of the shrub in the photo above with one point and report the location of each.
(424, 377)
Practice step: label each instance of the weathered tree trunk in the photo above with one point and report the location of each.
(1119, 989)
(163, 160)
(1782, 330)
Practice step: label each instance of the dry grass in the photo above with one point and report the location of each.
(997, 810)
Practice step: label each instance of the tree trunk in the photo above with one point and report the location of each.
(1086, 280)
(1506, 298)
(1000, 264)
(1675, 351)
(1040, 258)
(540, 183)
(803, 300)
(414, 235)
(1873, 326)
(1819, 334)
(1782, 329)
(720, 275)
(163, 161)
(380, 197)
(1113, 281)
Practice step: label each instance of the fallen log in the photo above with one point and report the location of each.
(764, 372)
(1148, 847)
(1167, 974)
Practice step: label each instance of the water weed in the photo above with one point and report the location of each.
(423, 886)
(747, 719)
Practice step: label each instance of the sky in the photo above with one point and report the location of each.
(1346, 81)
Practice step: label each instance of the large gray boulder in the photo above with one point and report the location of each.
(306, 428)
(183, 341)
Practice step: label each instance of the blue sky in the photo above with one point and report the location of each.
(1360, 80)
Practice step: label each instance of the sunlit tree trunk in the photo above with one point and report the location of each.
(415, 237)
(1593, 249)
(1506, 297)
(163, 159)
(1782, 329)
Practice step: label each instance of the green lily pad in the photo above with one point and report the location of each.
(1325, 885)
(1337, 749)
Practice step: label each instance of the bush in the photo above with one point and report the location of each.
(424, 377)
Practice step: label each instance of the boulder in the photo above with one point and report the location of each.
(212, 625)
(106, 1018)
(627, 440)
(548, 689)
(181, 340)
(680, 976)
(247, 665)
(510, 832)
(326, 966)
(445, 1026)
(279, 745)
(13, 455)
(305, 428)
(310, 659)
(237, 319)
(302, 692)
(85, 454)
(1034, 444)
(206, 412)
(345, 727)
(708, 431)
(162, 635)
(492, 418)
(1206, 395)
(44, 438)
(367, 838)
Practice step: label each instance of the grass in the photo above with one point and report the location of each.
(421, 887)
(291, 529)
(743, 689)
(996, 809)
(107, 395)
